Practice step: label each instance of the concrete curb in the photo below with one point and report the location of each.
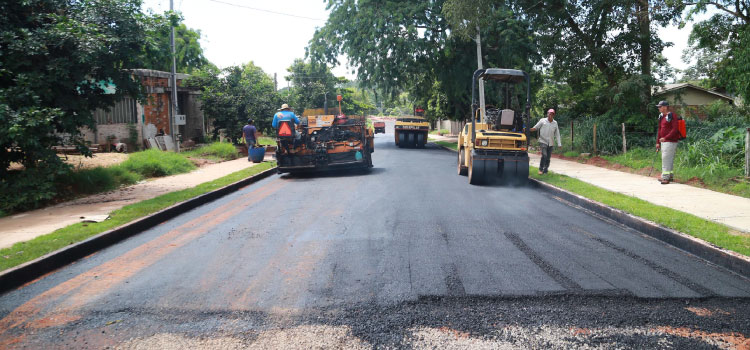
(29, 271)
(728, 259)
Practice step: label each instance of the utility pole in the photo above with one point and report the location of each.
(481, 81)
(275, 83)
(175, 108)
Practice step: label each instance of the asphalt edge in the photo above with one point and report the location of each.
(29, 271)
(727, 259)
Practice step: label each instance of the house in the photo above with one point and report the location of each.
(147, 118)
(689, 100)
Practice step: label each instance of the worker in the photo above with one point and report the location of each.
(284, 113)
(548, 132)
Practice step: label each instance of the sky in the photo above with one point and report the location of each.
(273, 33)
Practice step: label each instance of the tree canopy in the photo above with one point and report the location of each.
(235, 94)
(157, 53)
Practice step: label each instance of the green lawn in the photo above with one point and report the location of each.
(451, 145)
(22, 252)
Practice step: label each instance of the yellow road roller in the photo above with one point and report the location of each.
(493, 148)
(412, 131)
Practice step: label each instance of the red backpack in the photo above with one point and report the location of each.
(681, 127)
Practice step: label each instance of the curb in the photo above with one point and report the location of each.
(29, 271)
(727, 259)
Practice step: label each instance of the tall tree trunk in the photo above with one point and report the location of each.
(644, 26)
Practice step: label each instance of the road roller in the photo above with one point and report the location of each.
(493, 148)
(412, 131)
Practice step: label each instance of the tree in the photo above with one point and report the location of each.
(55, 58)
(233, 95)
(311, 81)
(722, 43)
(407, 46)
(157, 52)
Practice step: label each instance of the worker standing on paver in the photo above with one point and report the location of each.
(250, 132)
(548, 130)
(667, 137)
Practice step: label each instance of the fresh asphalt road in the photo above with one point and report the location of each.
(405, 255)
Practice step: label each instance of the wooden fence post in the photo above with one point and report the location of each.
(747, 152)
(571, 135)
(594, 138)
(624, 143)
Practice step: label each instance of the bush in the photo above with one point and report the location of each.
(223, 150)
(154, 163)
(30, 188)
(99, 179)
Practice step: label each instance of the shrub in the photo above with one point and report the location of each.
(154, 163)
(30, 188)
(223, 150)
(99, 179)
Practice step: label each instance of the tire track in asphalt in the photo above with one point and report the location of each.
(684, 281)
(548, 269)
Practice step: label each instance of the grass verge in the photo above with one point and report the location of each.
(451, 145)
(155, 163)
(706, 230)
(22, 252)
(215, 151)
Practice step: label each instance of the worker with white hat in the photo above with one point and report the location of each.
(284, 113)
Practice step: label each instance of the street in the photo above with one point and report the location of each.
(407, 254)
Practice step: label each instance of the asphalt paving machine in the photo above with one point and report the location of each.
(496, 149)
(324, 142)
(411, 131)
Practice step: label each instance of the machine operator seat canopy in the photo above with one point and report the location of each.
(503, 75)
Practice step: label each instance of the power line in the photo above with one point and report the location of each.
(267, 11)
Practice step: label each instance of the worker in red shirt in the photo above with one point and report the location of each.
(667, 137)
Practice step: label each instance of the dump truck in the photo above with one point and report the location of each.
(411, 131)
(324, 142)
(379, 127)
(495, 148)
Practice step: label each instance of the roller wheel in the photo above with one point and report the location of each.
(421, 142)
(522, 173)
(401, 139)
(476, 172)
(462, 169)
(410, 139)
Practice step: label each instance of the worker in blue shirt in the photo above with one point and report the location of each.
(284, 113)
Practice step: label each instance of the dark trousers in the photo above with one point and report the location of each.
(546, 155)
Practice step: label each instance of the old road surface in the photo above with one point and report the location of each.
(407, 255)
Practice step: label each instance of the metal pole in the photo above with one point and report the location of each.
(481, 81)
(624, 144)
(572, 132)
(747, 152)
(175, 108)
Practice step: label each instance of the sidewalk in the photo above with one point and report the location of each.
(733, 211)
(31, 224)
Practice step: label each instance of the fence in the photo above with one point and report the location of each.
(123, 112)
(728, 139)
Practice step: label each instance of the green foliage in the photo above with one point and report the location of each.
(155, 163)
(157, 53)
(233, 95)
(405, 46)
(30, 188)
(722, 44)
(99, 179)
(311, 81)
(55, 58)
(220, 150)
